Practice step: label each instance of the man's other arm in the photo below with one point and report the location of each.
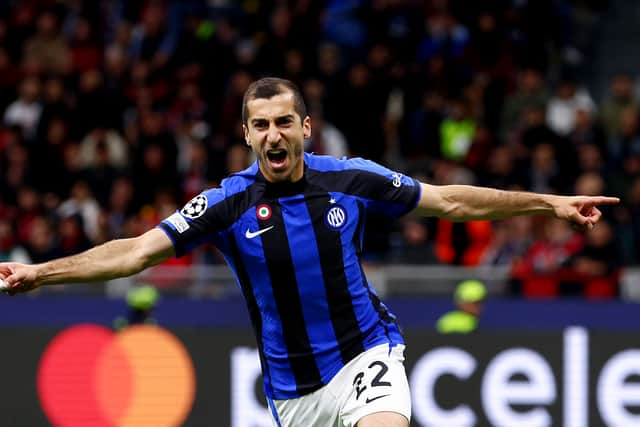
(466, 202)
(116, 258)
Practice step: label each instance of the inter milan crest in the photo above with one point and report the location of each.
(335, 217)
(195, 207)
(263, 212)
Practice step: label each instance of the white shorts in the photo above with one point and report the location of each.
(375, 381)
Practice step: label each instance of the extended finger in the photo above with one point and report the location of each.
(603, 200)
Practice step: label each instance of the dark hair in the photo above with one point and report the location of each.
(269, 87)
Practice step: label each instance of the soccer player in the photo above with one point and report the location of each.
(290, 227)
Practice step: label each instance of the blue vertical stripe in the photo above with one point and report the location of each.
(311, 285)
(368, 308)
(280, 372)
(272, 406)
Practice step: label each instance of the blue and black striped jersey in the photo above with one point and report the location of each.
(295, 250)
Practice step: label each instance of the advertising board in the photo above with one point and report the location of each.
(575, 378)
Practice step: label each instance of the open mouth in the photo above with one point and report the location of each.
(277, 158)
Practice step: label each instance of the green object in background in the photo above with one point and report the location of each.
(457, 322)
(456, 137)
(205, 30)
(142, 297)
(470, 291)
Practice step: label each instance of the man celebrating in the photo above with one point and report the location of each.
(290, 227)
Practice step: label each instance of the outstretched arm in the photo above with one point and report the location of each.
(117, 258)
(466, 202)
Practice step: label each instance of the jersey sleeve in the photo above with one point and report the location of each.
(196, 223)
(383, 190)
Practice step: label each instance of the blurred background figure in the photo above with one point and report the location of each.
(141, 302)
(469, 297)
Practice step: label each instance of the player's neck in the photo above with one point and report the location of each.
(296, 175)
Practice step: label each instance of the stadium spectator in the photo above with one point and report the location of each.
(326, 138)
(47, 51)
(445, 37)
(599, 257)
(141, 303)
(155, 164)
(196, 173)
(41, 242)
(81, 202)
(629, 224)
(502, 171)
(9, 249)
(414, 244)
(459, 243)
(55, 105)
(626, 143)
(48, 159)
(120, 206)
(364, 101)
(154, 38)
(552, 251)
(86, 52)
(469, 297)
(510, 241)
(457, 132)
(104, 141)
(587, 131)
(72, 235)
(101, 173)
(620, 98)
(25, 111)
(10, 76)
(544, 172)
(531, 92)
(564, 105)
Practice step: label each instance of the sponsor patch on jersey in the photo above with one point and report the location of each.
(178, 222)
(396, 179)
(335, 217)
(263, 212)
(195, 207)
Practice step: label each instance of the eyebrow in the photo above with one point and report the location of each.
(259, 120)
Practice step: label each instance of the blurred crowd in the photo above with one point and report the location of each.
(115, 113)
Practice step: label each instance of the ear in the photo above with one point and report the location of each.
(245, 130)
(306, 127)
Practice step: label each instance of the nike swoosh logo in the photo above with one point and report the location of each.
(251, 235)
(376, 398)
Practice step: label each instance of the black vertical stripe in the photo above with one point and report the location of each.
(287, 298)
(343, 316)
(375, 301)
(359, 229)
(252, 304)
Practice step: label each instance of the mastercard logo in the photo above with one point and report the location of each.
(91, 376)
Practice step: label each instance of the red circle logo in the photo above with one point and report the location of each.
(263, 212)
(89, 375)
